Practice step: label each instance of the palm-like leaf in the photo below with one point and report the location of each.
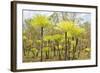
(40, 20)
(66, 26)
(71, 28)
(57, 37)
(77, 31)
(48, 37)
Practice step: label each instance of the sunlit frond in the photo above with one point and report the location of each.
(77, 31)
(66, 26)
(40, 20)
(48, 37)
(57, 37)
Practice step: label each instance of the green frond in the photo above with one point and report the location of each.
(34, 50)
(60, 47)
(87, 49)
(57, 37)
(40, 20)
(24, 37)
(77, 31)
(45, 49)
(38, 41)
(71, 28)
(66, 26)
(48, 37)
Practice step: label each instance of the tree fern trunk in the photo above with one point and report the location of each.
(66, 52)
(54, 49)
(41, 43)
(68, 49)
(75, 49)
(58, 50)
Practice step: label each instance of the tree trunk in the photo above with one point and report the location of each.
(66, 52)
(58, 50)
(59, 54)
(24, 51)
(46, 55)
(41, 43)
(54, 49)
(74, 50)
(68, 49)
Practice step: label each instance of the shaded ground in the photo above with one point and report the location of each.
(83, 55)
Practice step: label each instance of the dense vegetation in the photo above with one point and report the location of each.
(60, 36)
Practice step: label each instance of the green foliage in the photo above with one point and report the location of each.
(60, 47)
(54, 38)
(38, 41)
(57, 37)
(47, 38)
(71, 28)
(66, 26)
(77, 31)
(24, 37)
(73, 43)
(87, 49)
(40, 21)
(34, 50)
(46, 49)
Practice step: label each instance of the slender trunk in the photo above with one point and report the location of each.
(79, 49)
(78, 54)
(74, 50)
(47, 56)
(41, 43)
(59, 54)
(54, 50)
(68, 49)
(58, 50)
(66, 52)
(24, 50)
